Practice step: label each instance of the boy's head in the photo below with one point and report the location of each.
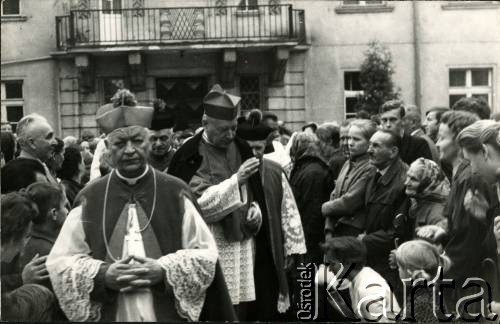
(18, 210)
(51, 202)
(345, 252)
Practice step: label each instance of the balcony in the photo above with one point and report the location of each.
(188, 26)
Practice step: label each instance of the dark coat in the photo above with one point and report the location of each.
(384, 200)
(184, 165)
(309, 181)
(412, 148)
(346, 204)
(470, 239)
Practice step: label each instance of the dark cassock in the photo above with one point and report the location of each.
(130, 220)
(283, 216)
(247, 256)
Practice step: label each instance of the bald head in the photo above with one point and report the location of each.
(412, 122)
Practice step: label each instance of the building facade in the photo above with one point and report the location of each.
(297, 58)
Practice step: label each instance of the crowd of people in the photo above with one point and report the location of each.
(151, 222)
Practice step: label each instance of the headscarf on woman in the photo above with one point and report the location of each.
(433, 183)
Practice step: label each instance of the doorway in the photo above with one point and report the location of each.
(184, 97)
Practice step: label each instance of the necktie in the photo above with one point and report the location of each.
(377, 176)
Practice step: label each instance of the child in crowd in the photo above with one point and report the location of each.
(419, 259)
(30, 302)
(371, 296)
(51, 202)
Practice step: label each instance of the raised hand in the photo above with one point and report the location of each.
(247, 169)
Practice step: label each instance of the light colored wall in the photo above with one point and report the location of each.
(39, 87)
(338, 42)
(465, 38)
(25, 55)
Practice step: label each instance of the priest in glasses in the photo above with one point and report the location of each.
(136, 248)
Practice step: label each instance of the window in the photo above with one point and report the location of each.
(111, 6)
(12, 102)
(250, 92)
(474, 82)
(110, 86)
(362, 3)
(247, 5)
(352, 89)
(10, 7)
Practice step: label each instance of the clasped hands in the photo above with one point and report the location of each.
(127, 276)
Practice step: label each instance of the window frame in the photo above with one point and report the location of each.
(366, 3)
(247, 7)
(10, 15)
(260, 91)
(349, 93)
(102, 81)
(468, 89)
(15, 102)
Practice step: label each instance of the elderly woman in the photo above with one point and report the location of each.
(428, 189)
(310, 187)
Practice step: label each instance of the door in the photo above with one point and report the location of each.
(110, 21)
(184, 97)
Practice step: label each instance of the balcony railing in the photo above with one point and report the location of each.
(191, 25)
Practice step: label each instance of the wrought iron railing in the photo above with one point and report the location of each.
(84, 28)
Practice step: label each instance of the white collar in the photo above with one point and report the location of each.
(132, 181)
(384, 170)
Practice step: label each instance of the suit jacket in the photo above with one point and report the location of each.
(346, 203)
(384, 200)
(432, 146)
(412, 148)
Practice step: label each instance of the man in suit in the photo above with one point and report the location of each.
(36, 140)
(412, 124)
(412, 147)
(385, 198)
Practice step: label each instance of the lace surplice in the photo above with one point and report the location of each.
(188, 271)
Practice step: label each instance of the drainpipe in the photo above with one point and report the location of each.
(416, 52)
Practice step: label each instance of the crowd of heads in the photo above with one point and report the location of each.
(466, 131)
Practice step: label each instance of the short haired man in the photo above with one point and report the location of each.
(36, 140)
(224, 175)
(412, 147)
(412, 124)
(476, 106)
(385, 198)
(161, 137)
(432, 120)
(275, 151)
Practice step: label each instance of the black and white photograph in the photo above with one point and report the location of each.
(250, 161)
